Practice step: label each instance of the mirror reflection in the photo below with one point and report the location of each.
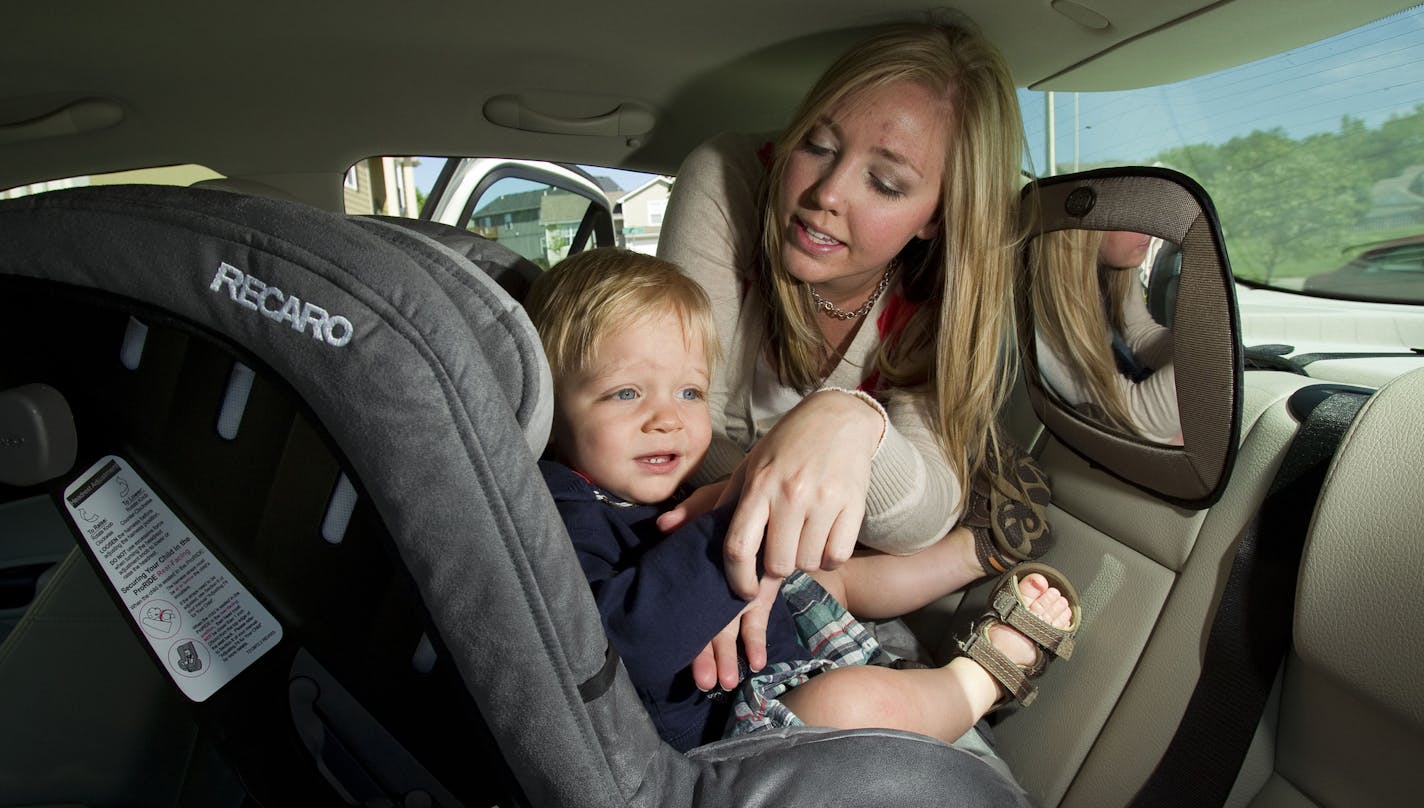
(1102, 305)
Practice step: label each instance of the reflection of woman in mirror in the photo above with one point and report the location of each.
(1098, 346)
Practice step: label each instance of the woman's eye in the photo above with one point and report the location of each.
(626, 394)
(884, 188)
(814, 148)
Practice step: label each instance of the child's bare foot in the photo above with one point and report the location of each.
(1043, 600)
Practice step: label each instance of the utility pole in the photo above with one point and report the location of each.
(1049, 135)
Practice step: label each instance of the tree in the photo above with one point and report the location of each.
(1280, 200)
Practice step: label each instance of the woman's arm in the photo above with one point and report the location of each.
(713, 222)
(1148, 339)
(914, 497)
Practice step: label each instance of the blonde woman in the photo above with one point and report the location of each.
(1087, 296)
(860, 270)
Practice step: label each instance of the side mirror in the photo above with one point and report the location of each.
(1129, 328)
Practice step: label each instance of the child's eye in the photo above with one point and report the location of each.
(626, 394)
(690, 394)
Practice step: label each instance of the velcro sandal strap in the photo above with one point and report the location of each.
(1008, 605)
(1014, 679)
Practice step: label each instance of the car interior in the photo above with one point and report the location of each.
(317, 427)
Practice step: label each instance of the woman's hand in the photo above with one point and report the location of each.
(803, 488)
(697, 503)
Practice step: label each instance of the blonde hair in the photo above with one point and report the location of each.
(1076, 304)
(593, 293)
(957, 346)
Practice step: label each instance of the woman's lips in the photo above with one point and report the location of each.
(812, 240)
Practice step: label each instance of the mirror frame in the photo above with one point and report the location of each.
(1206, 332)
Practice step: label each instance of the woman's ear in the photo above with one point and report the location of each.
(931, 228)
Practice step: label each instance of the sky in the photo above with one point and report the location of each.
(429, 169)
(1371, 73)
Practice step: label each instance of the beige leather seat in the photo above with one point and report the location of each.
(1150, 575)
(1350, 729)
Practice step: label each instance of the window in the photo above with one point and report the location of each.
(1313, 158)
(181, 175)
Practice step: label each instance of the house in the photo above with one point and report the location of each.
(384, 185)
(539, 224)
(642, 212)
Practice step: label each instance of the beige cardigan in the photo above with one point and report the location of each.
(711, 230)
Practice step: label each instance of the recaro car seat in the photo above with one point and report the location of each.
(326, 412)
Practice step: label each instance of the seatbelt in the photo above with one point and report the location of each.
(1252, 628)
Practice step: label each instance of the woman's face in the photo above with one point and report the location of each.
(863, 182)
(1123, 249)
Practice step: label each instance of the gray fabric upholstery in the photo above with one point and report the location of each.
(424, 401)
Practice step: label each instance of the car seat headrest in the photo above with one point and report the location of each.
(513, 272)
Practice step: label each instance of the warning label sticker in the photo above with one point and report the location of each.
(199, 619)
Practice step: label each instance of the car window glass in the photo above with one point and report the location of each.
(1314, 158)
(535, 220)
(183, 175)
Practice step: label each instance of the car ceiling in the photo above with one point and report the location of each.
(290, 93)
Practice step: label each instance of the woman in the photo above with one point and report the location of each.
(865, 257)
(1098, 346)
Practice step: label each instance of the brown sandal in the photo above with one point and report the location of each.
(1007, 510)
(1007, 606)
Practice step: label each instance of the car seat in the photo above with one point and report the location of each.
(415, 628)
(1348, 728)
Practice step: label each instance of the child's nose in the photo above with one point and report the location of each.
(664, 419)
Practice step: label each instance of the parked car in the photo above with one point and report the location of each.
(1393, 271)
(1291, 117)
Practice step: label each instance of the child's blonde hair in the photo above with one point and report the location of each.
(590, 294)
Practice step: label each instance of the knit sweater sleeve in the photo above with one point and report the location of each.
(914, 497)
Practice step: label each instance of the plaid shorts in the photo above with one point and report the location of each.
(832, 635)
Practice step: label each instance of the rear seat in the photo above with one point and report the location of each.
(1350, 726)
(1150, 575)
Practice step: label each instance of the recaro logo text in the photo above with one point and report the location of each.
(272, 303)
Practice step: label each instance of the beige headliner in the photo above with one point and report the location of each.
(290, 94)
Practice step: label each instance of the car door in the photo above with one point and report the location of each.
(543, 211)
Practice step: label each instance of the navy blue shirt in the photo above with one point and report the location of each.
(661, 599)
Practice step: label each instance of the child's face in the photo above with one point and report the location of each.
(636, 420)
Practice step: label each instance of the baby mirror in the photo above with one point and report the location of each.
(1129, 330)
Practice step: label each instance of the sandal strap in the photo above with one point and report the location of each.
(1006, 510)
(1014, 679)
(1009, 608)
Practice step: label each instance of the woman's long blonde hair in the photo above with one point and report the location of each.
(957, 345)
(1077, 303)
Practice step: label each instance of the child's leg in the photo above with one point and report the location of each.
(876, 586)
(941, 702)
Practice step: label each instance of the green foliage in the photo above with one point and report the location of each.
(1288, 207)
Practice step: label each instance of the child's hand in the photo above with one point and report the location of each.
(699, 502)
(717, 664)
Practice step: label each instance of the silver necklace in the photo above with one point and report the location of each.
(830, 310)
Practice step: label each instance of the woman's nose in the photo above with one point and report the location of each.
(828, 193)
